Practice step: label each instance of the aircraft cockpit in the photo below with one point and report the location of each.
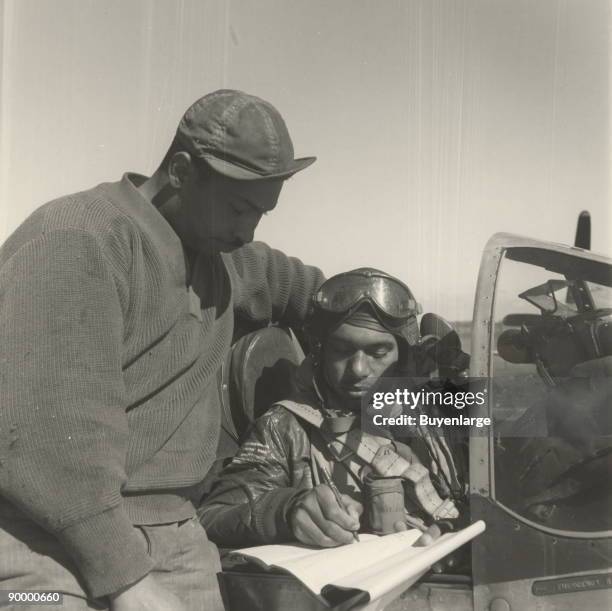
(554, 356)
(543, 340)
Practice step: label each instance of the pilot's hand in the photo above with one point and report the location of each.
(145, 595)
(316, 518)
(427, 538)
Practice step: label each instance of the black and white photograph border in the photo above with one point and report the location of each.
(462, 146)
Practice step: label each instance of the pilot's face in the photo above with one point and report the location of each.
(353, 360)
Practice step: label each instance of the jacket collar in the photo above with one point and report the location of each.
(311, 390)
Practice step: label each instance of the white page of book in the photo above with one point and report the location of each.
(405, 567)
(315, 566)
(375, 564)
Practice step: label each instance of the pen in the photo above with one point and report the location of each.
(330, 483)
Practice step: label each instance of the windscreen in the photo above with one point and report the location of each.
(551, 382)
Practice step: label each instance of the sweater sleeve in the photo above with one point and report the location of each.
(269, 286)
(63, 427)
(249, 502)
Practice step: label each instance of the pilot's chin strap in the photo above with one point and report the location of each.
(344, 440)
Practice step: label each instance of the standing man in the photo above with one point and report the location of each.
(116, 310)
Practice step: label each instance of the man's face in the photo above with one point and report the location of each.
(219, 214)
(353, 360)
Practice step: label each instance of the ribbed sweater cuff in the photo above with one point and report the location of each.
(108, 551)
(272, 517)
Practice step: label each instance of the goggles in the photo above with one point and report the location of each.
(345, 292)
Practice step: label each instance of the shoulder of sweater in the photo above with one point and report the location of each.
(261, 253)
(91, 211)
(252, 251)
(255, 255)
(86, 212)
(246, 259)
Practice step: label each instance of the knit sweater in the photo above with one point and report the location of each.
(109, 355)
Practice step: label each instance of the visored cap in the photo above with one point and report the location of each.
(240, 136)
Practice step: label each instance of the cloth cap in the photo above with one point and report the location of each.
(365, 318)
(240, 136)
(321, 323)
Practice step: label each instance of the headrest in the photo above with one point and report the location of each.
(258, 373)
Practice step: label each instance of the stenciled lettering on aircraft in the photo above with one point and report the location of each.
(567, 585)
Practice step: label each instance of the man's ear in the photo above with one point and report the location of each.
(179, 169)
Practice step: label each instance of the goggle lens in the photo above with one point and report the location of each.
(341, 293)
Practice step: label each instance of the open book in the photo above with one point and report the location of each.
(370, 573)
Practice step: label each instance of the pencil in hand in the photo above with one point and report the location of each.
(330, 483)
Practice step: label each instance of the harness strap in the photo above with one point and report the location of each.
(381, 456)
(305, 412)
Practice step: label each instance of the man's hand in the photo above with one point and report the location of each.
(317, 519)
(427, 538)
(145, 595)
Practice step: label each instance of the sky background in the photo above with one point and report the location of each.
(436, 123)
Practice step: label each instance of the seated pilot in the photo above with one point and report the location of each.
(362, 325)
